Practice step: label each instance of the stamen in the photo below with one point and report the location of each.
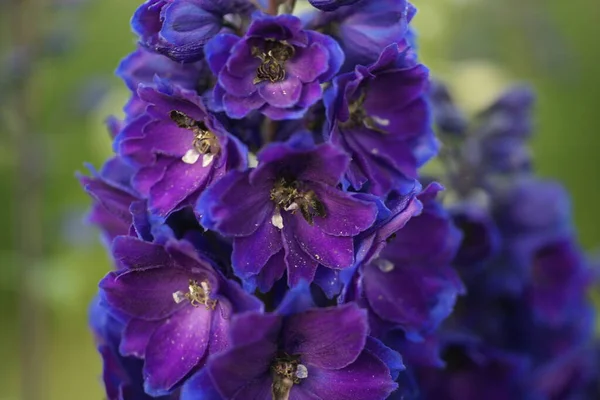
(290, 197)
(205, 142)
(273, 57)
(358, 117)
(286, 371)
(197, 294)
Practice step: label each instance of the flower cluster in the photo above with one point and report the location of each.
(273, 237)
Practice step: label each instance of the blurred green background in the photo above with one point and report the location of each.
(478, 46)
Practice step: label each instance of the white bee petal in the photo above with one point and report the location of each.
(178, 296)
(301, 372)
(277, 219)
(252, 160)
(191, 156)
(292, 207)
(380, 121)
(207, 159)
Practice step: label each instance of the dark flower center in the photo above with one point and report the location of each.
(198, 294)
(205, 142)
(359, 117)
(286, 371)
(289, 196)
(273, 56)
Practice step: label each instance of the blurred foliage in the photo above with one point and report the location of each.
(478, 46)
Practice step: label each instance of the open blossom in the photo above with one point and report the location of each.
(288, 213)
(276, 67)
(304, 354)
(379, 115)
(178, 308)
(177, 146)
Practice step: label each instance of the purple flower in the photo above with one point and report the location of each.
(178, 307)
(113, 196)
(142, 66)
(288, 212)
(177, 147)
(365, 29)
(330, 5)
(318, 353)
(179, 29)
(379, 115)
(474, 372)
(276, 67)
(122, 376)
(558, 278)
(411, 284)
(480, 236)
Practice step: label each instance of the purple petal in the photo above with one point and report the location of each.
(252, 252)
(240, 107)
(146, 294)
(176, 347)
(281, 94)
(136, 336)
(311, 93)
(300, 266)
(239, 87)
(332, 251)
(272, 271)
(368, 378)
(329, 338)
(346, 215)
(308, 63)
(133, 253)
(179, 182)
(336, 55)
(217, 50)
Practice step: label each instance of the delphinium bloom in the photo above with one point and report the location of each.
(288, 214)
(302, 353)
(178, 307)
(273, 238)
(177, 146)
(276, 67)
(526, 310)
(379, 115)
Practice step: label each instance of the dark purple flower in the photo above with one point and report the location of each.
(177, 147)
(276, 67)
(366, 28)
(380, 116)
(330, 5)
(411, 284)
(122, 376)
(288, 212)
(448, 117)
(113, 196)
(179, 308)
(179, 29)
(509, 115)
(318, 353)
(474, 372)
(142, 66)
(559, 277)
(480, 236)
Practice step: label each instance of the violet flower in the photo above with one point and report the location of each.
(287, 214)
(276, 67)
(178, 308)
(177, 146)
